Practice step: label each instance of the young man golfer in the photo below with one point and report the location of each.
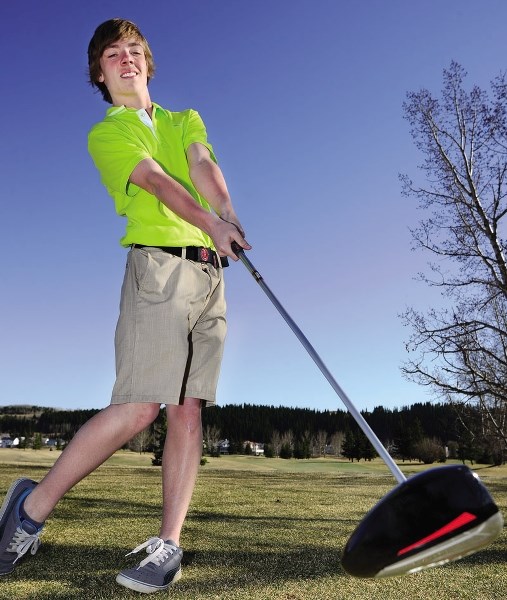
(161, 171)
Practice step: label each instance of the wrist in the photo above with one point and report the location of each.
(209, 224)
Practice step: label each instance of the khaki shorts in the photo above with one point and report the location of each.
(171, 330)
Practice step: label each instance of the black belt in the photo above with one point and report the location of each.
(195, 253)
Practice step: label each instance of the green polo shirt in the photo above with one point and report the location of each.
(127, 136)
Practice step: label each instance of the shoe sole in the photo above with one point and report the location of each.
(145, 588)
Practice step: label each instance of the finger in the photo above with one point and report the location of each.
(238, 245)
(240, 240)
(240, 229)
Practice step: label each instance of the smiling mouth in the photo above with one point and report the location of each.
(128, 75)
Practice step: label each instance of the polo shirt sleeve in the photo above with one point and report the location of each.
(116, 151)
(195, 131)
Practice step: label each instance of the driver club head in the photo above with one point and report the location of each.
(434, 517)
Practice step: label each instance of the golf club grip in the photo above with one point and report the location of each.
(360, 420)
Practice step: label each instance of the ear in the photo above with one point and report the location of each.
(101, 78)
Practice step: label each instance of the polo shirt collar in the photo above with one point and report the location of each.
(116, 110)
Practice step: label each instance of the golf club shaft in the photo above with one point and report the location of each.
(377, 444)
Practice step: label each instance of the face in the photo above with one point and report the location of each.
(124, 70)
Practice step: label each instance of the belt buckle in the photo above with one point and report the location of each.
(204, 255)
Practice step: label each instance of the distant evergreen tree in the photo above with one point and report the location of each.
(407, 437)
(235, 446)
(37, 441)
(302, 449)
(350, 446)
(468, 449)
(285, 451)
(268, 451)
(366, 450)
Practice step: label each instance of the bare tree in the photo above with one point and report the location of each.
(429, 450)
(460, 350)
(320, 442)
(211, 435)
(276, 443)
(336, 442)
(287, 439)
(141, 441)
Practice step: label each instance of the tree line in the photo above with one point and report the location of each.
(26, 421)
(421, 431)
(427, 432)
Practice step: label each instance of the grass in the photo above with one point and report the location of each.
(258, 529)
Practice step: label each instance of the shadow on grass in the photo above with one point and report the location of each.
(105, 508)
(487, 556)
(89, 572)
(87, 567)
(260, 519)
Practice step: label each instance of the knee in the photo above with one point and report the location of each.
(145, 414)
(186, 417)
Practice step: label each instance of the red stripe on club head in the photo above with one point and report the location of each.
(456, 523)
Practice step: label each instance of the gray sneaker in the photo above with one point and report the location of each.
(16, 536)
(156, 572)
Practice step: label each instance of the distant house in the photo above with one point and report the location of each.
(257, 448)
(6, 441)
(224, 446)
(52, 443)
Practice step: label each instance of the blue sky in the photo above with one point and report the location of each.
(303, 104)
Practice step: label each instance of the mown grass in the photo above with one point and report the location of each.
(255, 531)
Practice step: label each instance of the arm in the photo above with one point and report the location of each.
(151, 177)
(210, 183)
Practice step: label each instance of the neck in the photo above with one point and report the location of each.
(134, 101)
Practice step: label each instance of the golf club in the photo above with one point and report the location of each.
(434, 517)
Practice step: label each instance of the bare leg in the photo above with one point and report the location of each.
(180, 464)
(94, 443)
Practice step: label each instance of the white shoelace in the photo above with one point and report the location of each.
(23, 541)
(157, 549)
